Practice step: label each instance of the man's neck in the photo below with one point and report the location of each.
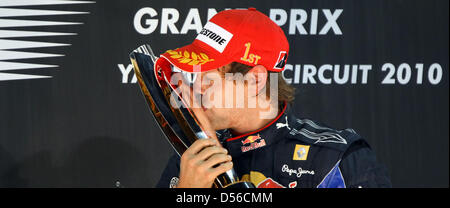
(255, 118)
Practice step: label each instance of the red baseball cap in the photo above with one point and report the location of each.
(246, 36)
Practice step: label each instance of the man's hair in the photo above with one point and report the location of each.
(285, 91)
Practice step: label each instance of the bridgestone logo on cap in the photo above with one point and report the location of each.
(215, 36)
(281, 61)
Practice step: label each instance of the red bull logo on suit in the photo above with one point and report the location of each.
(252, 142)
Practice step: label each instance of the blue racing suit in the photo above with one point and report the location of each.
(297, 153)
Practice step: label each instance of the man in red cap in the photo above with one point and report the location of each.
(260, 139)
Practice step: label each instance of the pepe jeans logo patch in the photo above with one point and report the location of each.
(296, 172)
(215, 36)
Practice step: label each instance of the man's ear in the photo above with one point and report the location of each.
(256, 79)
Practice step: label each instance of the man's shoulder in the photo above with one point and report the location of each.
(315, 133)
